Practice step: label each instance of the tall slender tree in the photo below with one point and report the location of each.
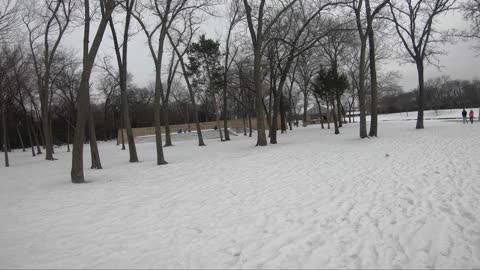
(83, 108)
(46, 24)
(121, 53)
(258, 35)
(414, 22)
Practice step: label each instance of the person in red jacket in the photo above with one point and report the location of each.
(471, 116)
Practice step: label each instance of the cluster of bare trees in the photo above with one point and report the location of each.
(277, 61)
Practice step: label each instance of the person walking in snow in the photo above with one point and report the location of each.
(471, 116)
(464, 115)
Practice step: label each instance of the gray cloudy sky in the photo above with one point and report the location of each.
(459, 61)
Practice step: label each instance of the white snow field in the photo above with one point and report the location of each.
(408, 199)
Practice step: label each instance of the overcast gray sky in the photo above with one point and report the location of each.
(460, 60)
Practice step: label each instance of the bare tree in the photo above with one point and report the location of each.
(8, 19)
(46, 25)
(83, 108)
(307, 63)
(172, 71)
(22, 74)
(414, 23)
(365, 33)
(235, 16)
(335, 47)
(305, 28)
(191, 92)
(122, 57)
(258, 35)
(165, 13)
(471, 12)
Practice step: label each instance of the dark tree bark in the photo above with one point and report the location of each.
(319, 111)
(334, 114)
(364, 35)
(305, 109)
(96, 163)
(35, 137)
(20, 138)
(122, 135)
(235, 9)
(52, 137)
(29, 132)
(283, 116)
(5, 132)
(122, 67)
(421, 94)
(361, 93)
(373, 75)
(328, 115)
(250, 131)
(40, 131)
(165, 102)
(244, 120)
(68, 137)
(107, 7)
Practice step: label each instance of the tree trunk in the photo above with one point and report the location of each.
(225, 105)
(122, 135)
(257, 70)
(29, 132)
(217, 116)
(9, 146)
(105, 121)
(35, 137)
(47, 136)
(305, 109)
(188, 119)
(334, 114)
(328, 115)
(320, 112)
(274, 126)
(20, 138)
(362, 92)
(244, 124)
(339, 109)
(68, 137)
(250, 125)
(40, 131)
(96, 163)
(76, 173)
(283, 116)
(166, 123)
(191, 95)
(157, 117)
(421, 94)
(373, 79)
(123, 72)
(50, 126)
(290, 115)
(349, 114)
(5, 134)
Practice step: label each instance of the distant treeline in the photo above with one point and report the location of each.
(440, 93)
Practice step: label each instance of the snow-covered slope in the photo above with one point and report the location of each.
(406, 199)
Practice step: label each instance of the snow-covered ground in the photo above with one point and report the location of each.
(408, 199)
